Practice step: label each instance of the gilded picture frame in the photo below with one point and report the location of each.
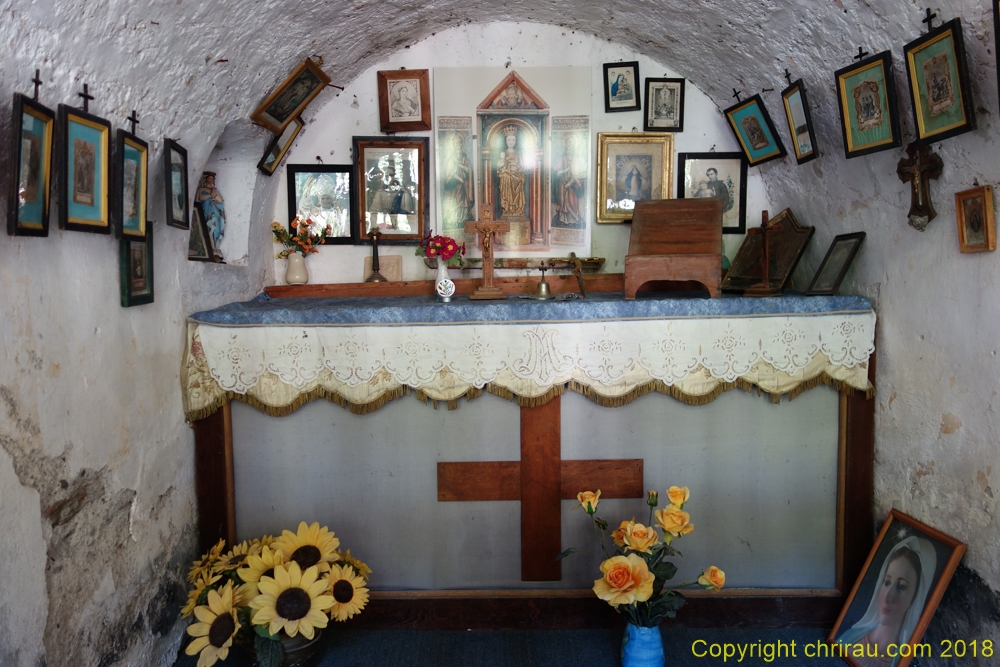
(975, 218)
(404, 100)
(664, 105)
(291, 97)
(135, 264)
(835, 264)
(392, 186)
(632, 166)
(84, 157)
(755, 131)
(869, 118)
(621, 87)
(722, 175)
(799, 118)
(175, 184)
(940, 87)
(131, 178)
(29, 196)
(327, 195)
(278, 146)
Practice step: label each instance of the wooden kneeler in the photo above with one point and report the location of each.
(675, 239)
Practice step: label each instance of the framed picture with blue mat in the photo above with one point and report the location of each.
(754, 130)
(84, 171)
(939, 84)
(33, 125)
(868, 115)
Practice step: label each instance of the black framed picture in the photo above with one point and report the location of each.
(834, 266)
(175, 183)
(199, 240)
(799, 122)
(940, 88)
(722, 175)
(130, 180)
(869, 119)
(621, 87)
(755, 131)
(29, 195)
(325, 194)
(664, 105)
(278, 146)
(135, 262)
(392, 186)
(84, 155)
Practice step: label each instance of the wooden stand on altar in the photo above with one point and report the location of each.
(487, 228)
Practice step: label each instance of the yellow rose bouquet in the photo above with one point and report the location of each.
(271, 594)
(635, 571)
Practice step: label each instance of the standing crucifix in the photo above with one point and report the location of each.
(487, 228)
(918, 169)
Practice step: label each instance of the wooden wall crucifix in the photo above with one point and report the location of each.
(921, 166)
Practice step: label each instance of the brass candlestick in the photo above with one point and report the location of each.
(375, 277)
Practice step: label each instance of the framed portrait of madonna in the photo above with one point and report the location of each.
(404, 100)
(868, 115)
(289, 100)
(632, 166)
(939, 83)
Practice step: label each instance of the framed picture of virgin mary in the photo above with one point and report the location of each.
(632, 166)
(404, 100)
(621, 87)
(868, 116)
(939, 83)
(289, 100)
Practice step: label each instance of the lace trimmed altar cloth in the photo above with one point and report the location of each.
(277, 354)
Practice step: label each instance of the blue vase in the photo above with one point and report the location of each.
(642, 647)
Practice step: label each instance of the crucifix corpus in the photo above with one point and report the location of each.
(921, 166)
(486, 228)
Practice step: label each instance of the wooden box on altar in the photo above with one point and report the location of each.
(677, 240)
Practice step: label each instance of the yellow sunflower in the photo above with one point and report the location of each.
(293, 601)
(349, 594)
(213, 634)
(257, 566)
(359, 567)
(204, 564)
(236, 557)
(206, 579)
(312, 545)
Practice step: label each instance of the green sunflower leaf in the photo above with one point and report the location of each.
(262, 631)
(270, 652)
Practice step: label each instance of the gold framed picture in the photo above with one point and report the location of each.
(974, 214)
(631, 167)
(404, 100)
(289, 99)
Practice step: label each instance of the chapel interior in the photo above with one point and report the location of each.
(103, 506)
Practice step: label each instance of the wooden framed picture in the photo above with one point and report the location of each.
(664, 105)
(29, 195)
(632, 166)
(324, 194)
(621, 87)
(404, 100)
(974, 214)
(84, 171)
(130, 187)
(135, 262)
(786, 241)
(175, 182)
(800, 124)
(754, 130)
(391, 188)
(996, 38)
(199, 240)
(940, 87)
(834, 266)
(278, 146)
(722, 175)
(288, 100)
(896, 593)
(869, 120)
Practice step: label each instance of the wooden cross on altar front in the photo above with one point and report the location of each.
(486, 229)
(918, 169)
(540, 480)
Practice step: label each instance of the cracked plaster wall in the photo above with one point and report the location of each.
(90, 390)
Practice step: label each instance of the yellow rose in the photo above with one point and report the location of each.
(713, 578)
(678, 495)
(626, 579)
(588, 500)
(619, 535)
(652, 498)
(640, 538)
(674, 520)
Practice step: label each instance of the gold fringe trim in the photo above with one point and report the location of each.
(526, 401)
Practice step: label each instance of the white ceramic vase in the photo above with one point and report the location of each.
(443, 285)
(296, 272)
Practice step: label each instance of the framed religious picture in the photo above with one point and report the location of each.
(404, 100)
(895, 596)
(288, 100)
(722, 175)
(753, 128)
(834, 266)
(84, 171)
(664, 105)
(456, 177)
(175, 181)
(278, 146)
(869, 120)
(199, 243)
(974, 214)
(135, 266)
(28, 197)
(325, 194)
(391, 188)
(940, 87)
(130, 185)
(621, 87)
(632, 166)
(800, 124)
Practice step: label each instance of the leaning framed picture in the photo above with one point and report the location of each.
(664, 105)
(29, 194)
(130, 185)
(834, 266)
(800, 124)
(940, 87)
(754, 130)
(199, 240)
(135, 266)
(175, 182)
(621, 87)
(722, 175)
(84, 171)
(391, 188)
(632, 166)
(786, 241)
(324, 193)
(404, 100)
(974, 214)
(278, 146)
(288, 100)
(894, 598)
(869, 120)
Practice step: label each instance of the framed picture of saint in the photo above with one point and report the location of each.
(754, 130)
(28, 197)
(278, 146)
(664, 105)
(456, 176)
(976, 226)
(404, 100)
(869, 118)
(135, 261)
(175, 182)
(940, 87)
(721, 175)
(799, 122)
(325, 195)
(391, 188)
(290, 99)
(131, 173)
(85, 171)
(621, 87)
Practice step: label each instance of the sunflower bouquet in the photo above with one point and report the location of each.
(304, 241)
(264, 592)
(635, 572)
